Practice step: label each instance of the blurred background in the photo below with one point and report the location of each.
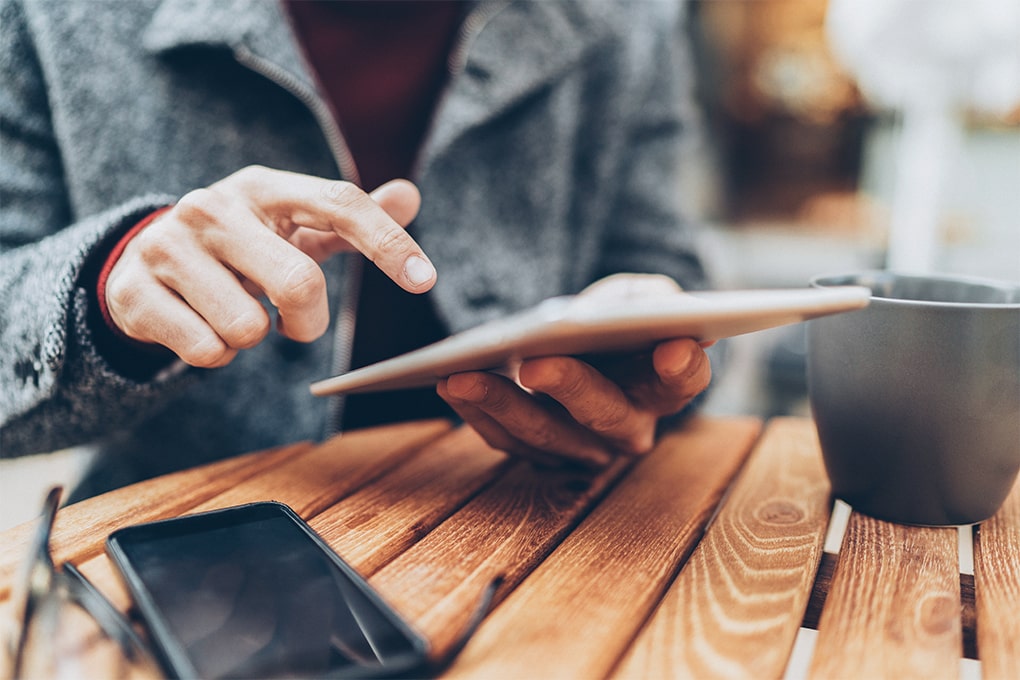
(849, 134)
(842, 134)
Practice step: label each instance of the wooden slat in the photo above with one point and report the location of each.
(735, 609)
(372, 526)
(997, 591)
(307, 482)
(326, 473)
(893, 610)
(577, 612)
(80, 530)
(506, 530)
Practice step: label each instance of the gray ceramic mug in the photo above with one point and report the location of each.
(917, 397)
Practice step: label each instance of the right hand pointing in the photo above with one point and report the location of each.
(191, 280)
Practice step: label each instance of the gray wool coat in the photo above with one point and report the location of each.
(554, 159)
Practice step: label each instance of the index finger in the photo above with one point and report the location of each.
(291, 199)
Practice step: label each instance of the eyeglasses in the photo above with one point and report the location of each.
(60, 618)
(63, 626)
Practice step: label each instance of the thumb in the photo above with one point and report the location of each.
(400, 199)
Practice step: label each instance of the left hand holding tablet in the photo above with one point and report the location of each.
(588, 411)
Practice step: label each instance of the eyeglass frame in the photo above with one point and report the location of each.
(40, 579)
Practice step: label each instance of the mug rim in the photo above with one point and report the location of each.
(854, 278)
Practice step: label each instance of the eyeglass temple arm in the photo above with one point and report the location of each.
(114, 624)
(34, 580)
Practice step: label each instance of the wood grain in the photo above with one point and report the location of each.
(997, 591)
(575, 615)
(735, 609)
(375, 524)
(307, 481)
(505, 531)
(320, 476)
(893, 610)
(80, 530)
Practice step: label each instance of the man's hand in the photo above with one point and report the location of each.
(562, 408)
(192, 279)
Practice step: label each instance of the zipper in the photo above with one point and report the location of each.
(476, 20)
(346, 317)
(307, 96)
(473, 24)
(343, 331)
(343, 340)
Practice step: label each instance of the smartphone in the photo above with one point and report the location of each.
(252, 591)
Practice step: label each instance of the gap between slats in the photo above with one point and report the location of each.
(735, 607)
(616, 560)
(800, 659)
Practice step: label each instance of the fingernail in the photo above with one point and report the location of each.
(418, 270)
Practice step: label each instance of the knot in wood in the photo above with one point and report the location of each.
(938, 614)
(780, 512)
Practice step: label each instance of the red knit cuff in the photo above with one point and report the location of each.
(111, 260)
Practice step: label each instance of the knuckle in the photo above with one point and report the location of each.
(198, 206)
(155, 247)
(557, 377)
(247, 330)
(340, 192)
(564, 382)
(203, 352)
(389, 242)
(544, 437)
(303, 285)
(519, 450)
(122, 296)
(251, 172)
(571, 385)
(612, 418)
(249, 175)
(497, 401)
(637, 444)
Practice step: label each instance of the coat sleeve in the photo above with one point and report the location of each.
(652, 228)
(56, 390)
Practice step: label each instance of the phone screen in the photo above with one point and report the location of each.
(252, 591)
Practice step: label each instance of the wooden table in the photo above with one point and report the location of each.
(703, 559)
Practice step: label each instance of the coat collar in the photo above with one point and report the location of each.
(258, 26)
(520, 47)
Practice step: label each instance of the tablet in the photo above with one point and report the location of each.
(579, 325)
